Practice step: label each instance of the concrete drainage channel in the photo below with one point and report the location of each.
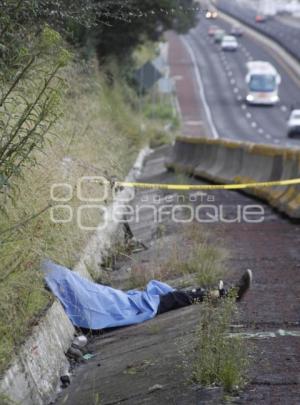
(144, 363)
(34, 375)
(140, 364)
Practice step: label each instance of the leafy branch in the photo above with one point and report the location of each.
(30, 105)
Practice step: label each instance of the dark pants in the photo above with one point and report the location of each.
(179, 299)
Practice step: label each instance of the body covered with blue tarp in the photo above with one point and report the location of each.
(95, 306)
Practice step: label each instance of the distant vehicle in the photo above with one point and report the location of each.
(229, 43)
(263, 82)
(260, 18)
(293, 124)
(236, 31)
(211, 14)
(212, 29)
(218, 36)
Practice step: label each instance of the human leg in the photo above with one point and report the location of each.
(179, 299)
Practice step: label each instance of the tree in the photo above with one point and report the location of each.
(121, 29)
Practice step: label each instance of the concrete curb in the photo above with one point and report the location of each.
(34, 375)
(100, 243)
(223, 161)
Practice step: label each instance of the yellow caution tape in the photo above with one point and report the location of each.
(208, 186)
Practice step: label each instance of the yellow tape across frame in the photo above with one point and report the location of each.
(179, 187)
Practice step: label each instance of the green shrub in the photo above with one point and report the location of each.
(159, 138)
(219, 359)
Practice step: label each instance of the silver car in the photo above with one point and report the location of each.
(229, 43)
(293, 124)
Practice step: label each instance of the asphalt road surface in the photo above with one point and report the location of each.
(223, 76)
(277, 28)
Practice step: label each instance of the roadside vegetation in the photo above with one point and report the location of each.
(88, 141)
(196, 261)
(220, 359)
(67, 110)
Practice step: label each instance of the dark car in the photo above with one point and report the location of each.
(236, 31)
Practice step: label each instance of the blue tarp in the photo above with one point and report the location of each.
(95, 306)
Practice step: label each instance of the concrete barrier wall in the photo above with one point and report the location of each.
(223, 161)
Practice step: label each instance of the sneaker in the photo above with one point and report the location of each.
(222, 291)
(244, 284)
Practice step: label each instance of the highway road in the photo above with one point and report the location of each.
(223, 76)
(290, 21)
(285, 34)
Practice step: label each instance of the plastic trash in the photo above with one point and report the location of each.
(88, 356)
(80, 341)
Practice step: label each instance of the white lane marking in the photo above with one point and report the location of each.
(248, 115)
(201, 89)
(239, 98)
(260, 131)
(276, 140)
(243, 106)
(193, 123)
(229, 73)
(232, 81)
(283, 108)
(253, 124)
(268, 136)
(235, 90)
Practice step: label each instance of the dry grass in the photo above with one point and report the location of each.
(98, 125)
(195, 256)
